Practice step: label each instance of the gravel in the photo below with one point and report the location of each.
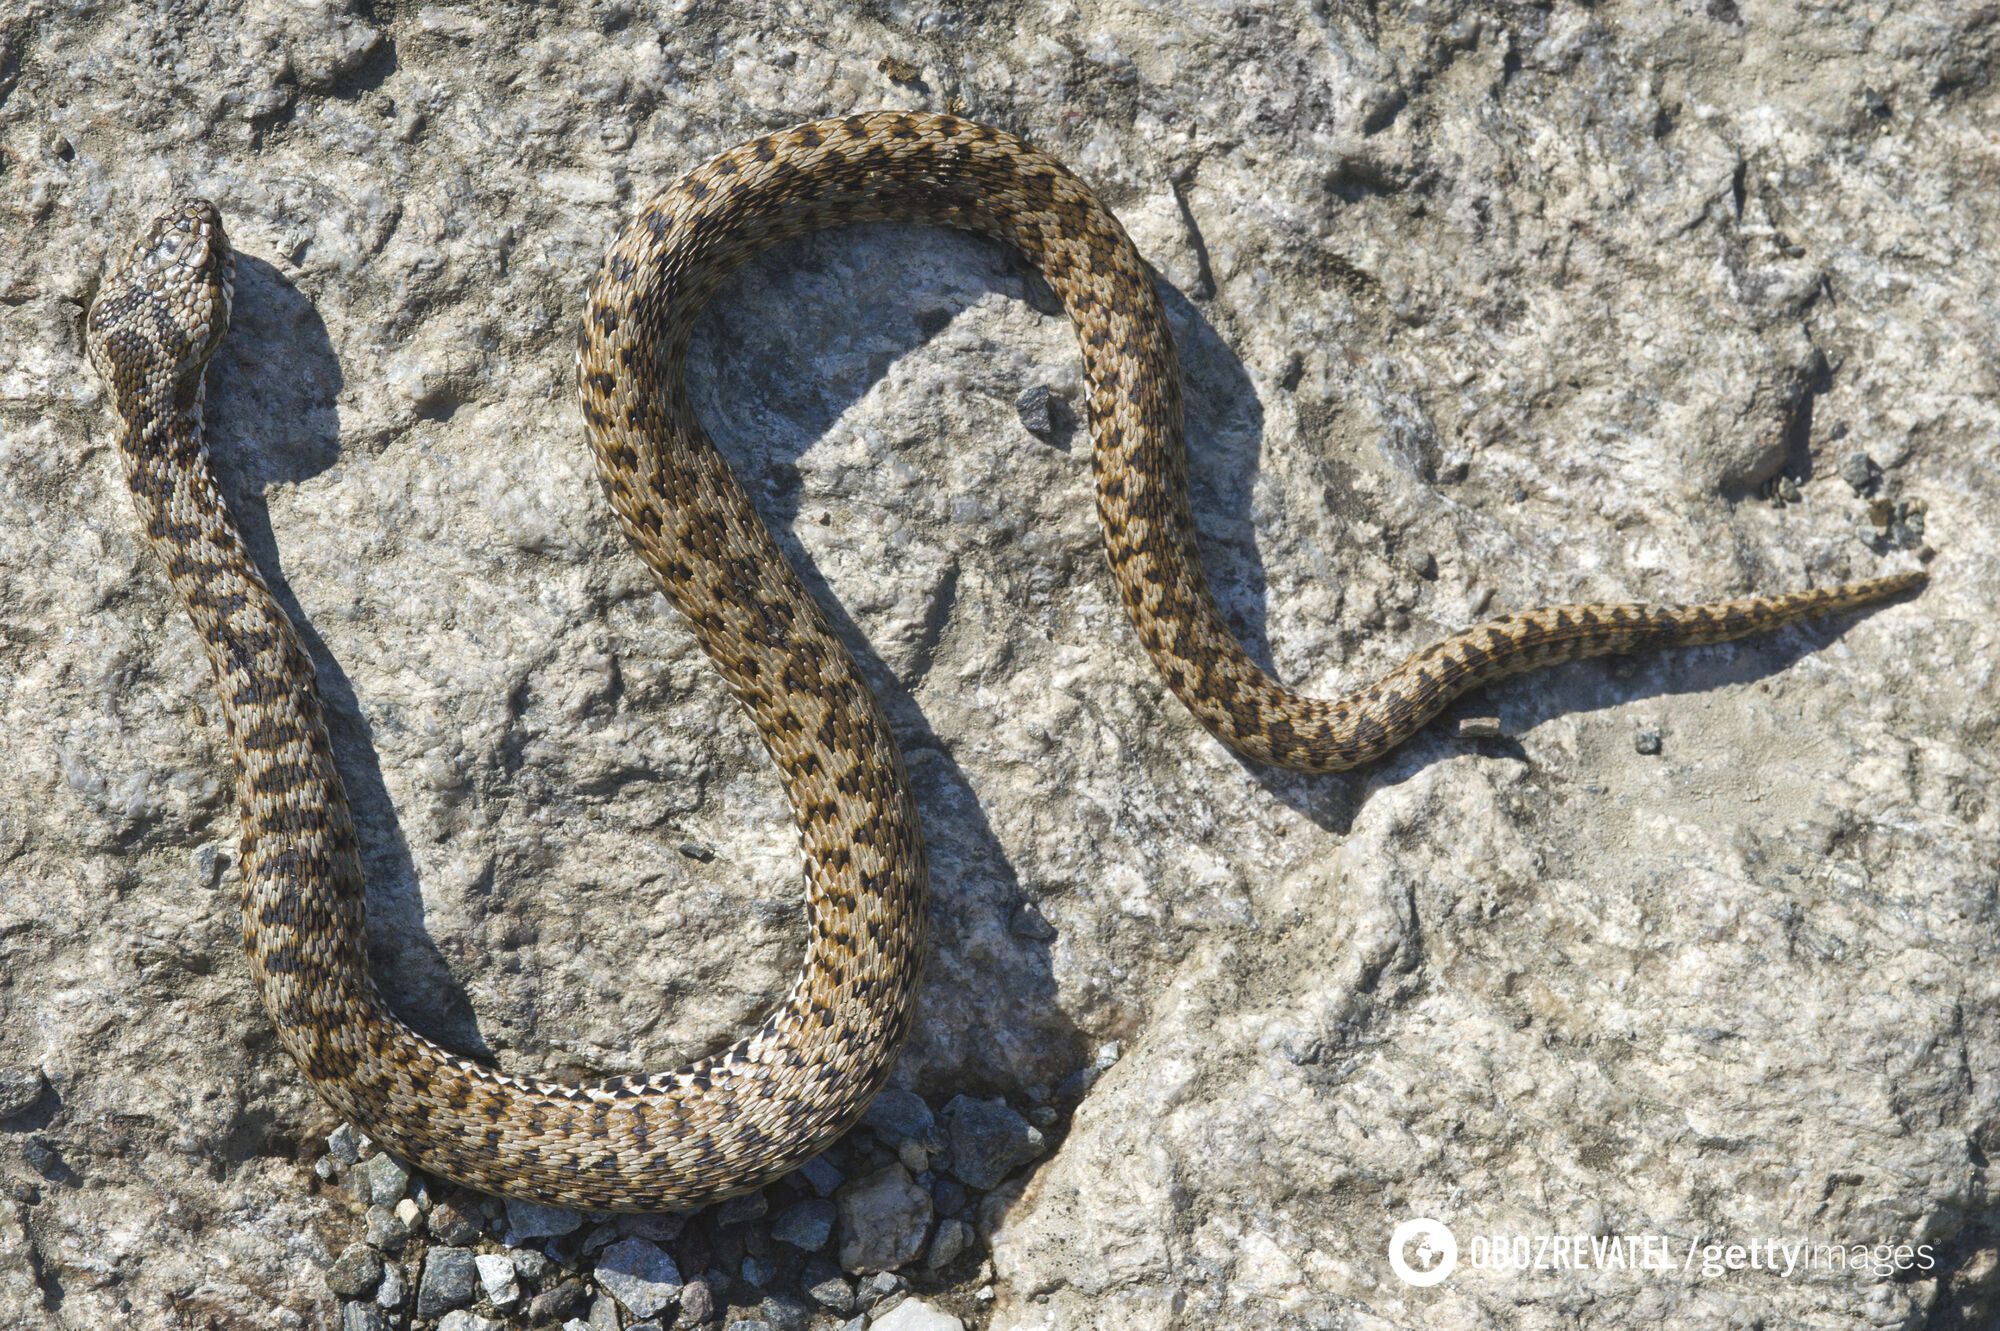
(449, 1281)
(806, 1225)
(883, 1219)
(640, 1276)
(988, 1141)
(356, 1273)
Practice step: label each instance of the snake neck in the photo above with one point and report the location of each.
(300, 870)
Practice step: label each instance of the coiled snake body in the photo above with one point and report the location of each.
(739, 1119)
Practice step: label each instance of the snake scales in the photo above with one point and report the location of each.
(736, 1120)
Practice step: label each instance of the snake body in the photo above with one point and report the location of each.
(734, 1121)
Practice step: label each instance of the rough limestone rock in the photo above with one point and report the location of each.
(1480, 305)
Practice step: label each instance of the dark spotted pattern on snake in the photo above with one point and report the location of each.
(738, 1119)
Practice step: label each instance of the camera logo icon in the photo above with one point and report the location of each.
(1422, 1252)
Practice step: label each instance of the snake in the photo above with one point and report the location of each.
(735, 1120)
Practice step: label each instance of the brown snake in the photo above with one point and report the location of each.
(734, 1121)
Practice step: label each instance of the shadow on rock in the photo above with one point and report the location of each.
(272, 421)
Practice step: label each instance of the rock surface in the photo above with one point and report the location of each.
(1480, 306)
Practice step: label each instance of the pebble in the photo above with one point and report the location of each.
(741, 1210)
(883, 1218)
(879, 1287)
(897, 1116)
(914, 1157)
(697, 1302)
(821, 1176)
(448, 1281)
(1042, 413)
(394, 1289)
(385, 1228)
(750, 1324)
(603, 1315)
(827, 1287)
(554, 1304)
(452, 1226)
(344, 1144)
(952, 1238)
(1860, 472)
(467, 1321)
(526, 1220)
(785, 1311)
(381, 1179)
(988, 1141)
(640, 1276)
(948, 1197)
(1647, 741)
(758, 1272)
(362, 1317)
(497, 1278)
(327, 1168)
(916, 1315)
(45, 1160)
(530, 1265)
(805, 1225)
(658, 1228)
(356, 1273)
(694, 850)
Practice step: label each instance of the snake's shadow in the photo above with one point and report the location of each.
(272, 421)
(744, 374)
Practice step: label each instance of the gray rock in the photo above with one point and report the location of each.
(698, 1302)
(1043, 414)
(344, 1144)
(806, 1225)
(385, 1229)
(657, 1228)
(883, 1218)
(498, 1279)
(988, 1141)
(529, 1264)
(742, 1210)
(898, 1116)
(553, 1305)
(879, 1287)
(381, 1180)
(758, 1271)
(1647, 740)
(1860, 472)
(356, 1273)
(640, 1276)
(821, 1176)
(785, 1311)
(362, 1317)
(603, 1314)
(916, 1315)
(448, 1281)
(394, 1290)
(450, 1225)
(826, 1286)
(952, 1238)
(463, 1320)
(948, 1197)
(526, 1220)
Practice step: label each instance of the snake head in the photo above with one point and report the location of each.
(162, 312)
